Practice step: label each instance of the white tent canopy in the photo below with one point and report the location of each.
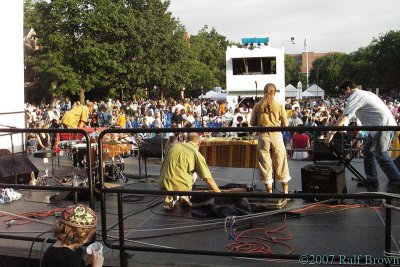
(214, 95)
(307, 94)
(208, 95)
(291, 91)
(315, 91)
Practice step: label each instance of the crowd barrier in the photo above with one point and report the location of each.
(122, 247)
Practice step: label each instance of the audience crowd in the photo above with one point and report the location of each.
(144, 113)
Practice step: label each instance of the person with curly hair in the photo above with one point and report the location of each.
(76, 227)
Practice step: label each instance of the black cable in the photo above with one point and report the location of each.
(33, 243)
(252, 181)
(135, 212)
(245, 225)
(41, 251)
(170, 214)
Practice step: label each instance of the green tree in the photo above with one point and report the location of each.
(358, 67)
(327, 71)
(207, 64)
(386, 62)
(377, 65)
(107, 46)
(292, 71)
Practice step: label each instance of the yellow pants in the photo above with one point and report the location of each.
(272, 157)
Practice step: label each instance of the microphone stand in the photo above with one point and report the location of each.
(256, 89)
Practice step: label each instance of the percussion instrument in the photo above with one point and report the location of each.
(113, 169)
(79, 152)
(224, 152)
(67, 145)
(113, 149)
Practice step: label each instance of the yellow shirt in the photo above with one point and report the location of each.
(122, 121)
(72, 117)
(275, 117)
(181, 162)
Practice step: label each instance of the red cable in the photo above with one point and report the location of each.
(252, 241)
(33, 215)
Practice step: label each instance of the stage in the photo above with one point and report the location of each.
(351, 228)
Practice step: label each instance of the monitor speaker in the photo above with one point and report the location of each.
(323, 153)
(323, 178)
(16, 169)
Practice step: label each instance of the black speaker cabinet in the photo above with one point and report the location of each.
(323, 178)
(323, 153)
(19, 166)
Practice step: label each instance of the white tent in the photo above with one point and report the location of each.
(316, 91)
(307, 94)
(214, 95)
(291, 91)
(219, 96)
(208, 95)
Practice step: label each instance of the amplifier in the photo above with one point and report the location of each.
(323, 153)
(323, 178)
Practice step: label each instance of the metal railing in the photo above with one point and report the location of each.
(122, 247)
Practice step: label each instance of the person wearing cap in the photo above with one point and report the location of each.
(177, 171)
(370, 111)
(76, 226)
(271, 148)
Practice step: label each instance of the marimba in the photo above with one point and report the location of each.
(225, 152)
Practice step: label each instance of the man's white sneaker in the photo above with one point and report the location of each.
(169, 203)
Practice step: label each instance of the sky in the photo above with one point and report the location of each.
(327, 25)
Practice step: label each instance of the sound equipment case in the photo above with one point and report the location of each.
(19, 166)
(327, 177)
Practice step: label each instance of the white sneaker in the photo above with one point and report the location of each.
(169, 203)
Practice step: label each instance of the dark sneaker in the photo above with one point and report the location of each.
(185, 201)
(394, 189)
(368, 183)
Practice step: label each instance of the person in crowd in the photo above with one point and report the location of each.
(241, 123)
(236, 115)
(271, 148)
(370, 111)
(78, 116)
(43, 139)
(178, 168)
(294, 119)
(121, 120)
(177, 118)
(76, 226)
(300, 143)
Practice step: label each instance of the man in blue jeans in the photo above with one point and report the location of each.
(371, 111)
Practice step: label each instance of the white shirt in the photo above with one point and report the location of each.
(369, 109)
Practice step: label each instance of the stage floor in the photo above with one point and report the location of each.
(352, 228)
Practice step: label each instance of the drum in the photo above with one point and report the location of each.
(113, 150)
(113, 168)
(79, 154)
(67, 144)
(66, 147)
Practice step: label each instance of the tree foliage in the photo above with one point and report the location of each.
(105, 47)
(293, 74)
(326, 71)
